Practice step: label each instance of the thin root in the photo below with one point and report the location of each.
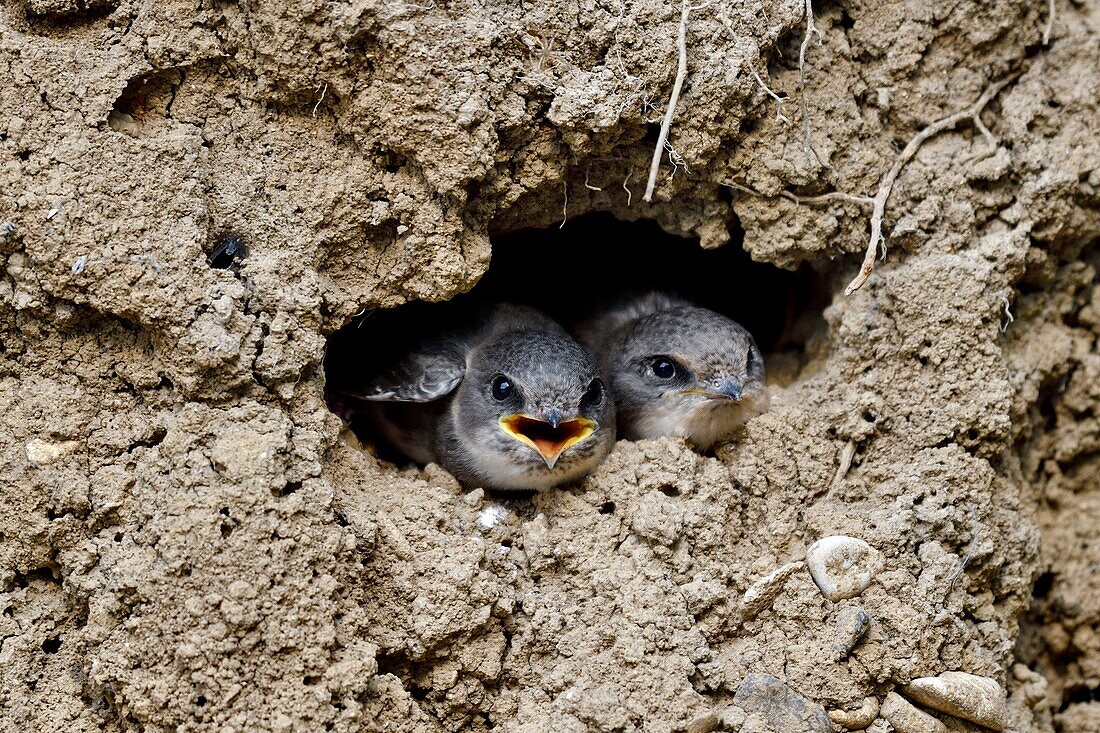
(846, 454)
(975, 529)
(1009, 318)
(807, 137)
(1050, 23)
(778, 99)
(809, 200)
(677, 86)
(886, 186)
(318, 104)
(876, 244)
(626, 180)
(565, 205)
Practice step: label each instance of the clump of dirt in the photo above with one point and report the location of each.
(191, 540)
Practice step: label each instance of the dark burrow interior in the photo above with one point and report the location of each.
(568, 271)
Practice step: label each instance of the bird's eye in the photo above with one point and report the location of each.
(502, 387)
(663, 367)
(593, 396)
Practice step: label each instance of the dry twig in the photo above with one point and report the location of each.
(677, 86)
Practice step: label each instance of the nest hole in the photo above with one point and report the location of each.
(568, 271)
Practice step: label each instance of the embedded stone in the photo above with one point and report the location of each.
(842, 567)
(859, 718)
(851, 625)
(978, 699)
(907, 719)
(783, 708)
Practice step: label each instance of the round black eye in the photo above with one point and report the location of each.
(502, 387)
(663, 367)
(593, 396)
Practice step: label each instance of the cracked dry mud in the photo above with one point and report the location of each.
(190, 541)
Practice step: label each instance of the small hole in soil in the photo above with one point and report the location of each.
(200, 701)
(669, 490)
(1043, 585)
(608, 507)
(567, 272)
(290, 488)
(51, 645)
(227, 253)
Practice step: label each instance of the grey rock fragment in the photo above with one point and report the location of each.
(851, 625)
(907, 719)
(980, 700)
(783, 708)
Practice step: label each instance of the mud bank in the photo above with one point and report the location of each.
(190, 540)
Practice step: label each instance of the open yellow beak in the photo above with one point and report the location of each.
(549, 441)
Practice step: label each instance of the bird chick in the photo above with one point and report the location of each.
(504, 400)
(677, 369)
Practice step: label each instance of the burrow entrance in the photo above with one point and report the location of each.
(568, 271)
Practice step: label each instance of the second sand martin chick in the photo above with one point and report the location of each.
(677, 369)
(504, 400)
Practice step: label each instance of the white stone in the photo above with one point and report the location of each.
(491, 515)
(44, 452)
(842, 566)
(762, 593)
(980, 700)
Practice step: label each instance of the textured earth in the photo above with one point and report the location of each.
(190, 540)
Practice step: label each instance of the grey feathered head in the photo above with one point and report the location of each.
(532, 406)
(686, 371)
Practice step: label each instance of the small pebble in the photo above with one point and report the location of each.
(704, 723)
(51, 214)
(783, 708)
(907, 719)
(78, 264)
(842, 566)
(44, 452)
(980, 700)
(762, 593)
(859, 718)
(8, 227)
(851, 625)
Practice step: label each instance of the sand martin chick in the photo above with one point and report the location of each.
(503, 400)
(677, 369)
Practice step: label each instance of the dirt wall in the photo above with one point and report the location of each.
(190, 541)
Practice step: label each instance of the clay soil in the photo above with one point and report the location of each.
(191, 540)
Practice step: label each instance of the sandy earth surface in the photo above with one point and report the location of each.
(190, 541)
